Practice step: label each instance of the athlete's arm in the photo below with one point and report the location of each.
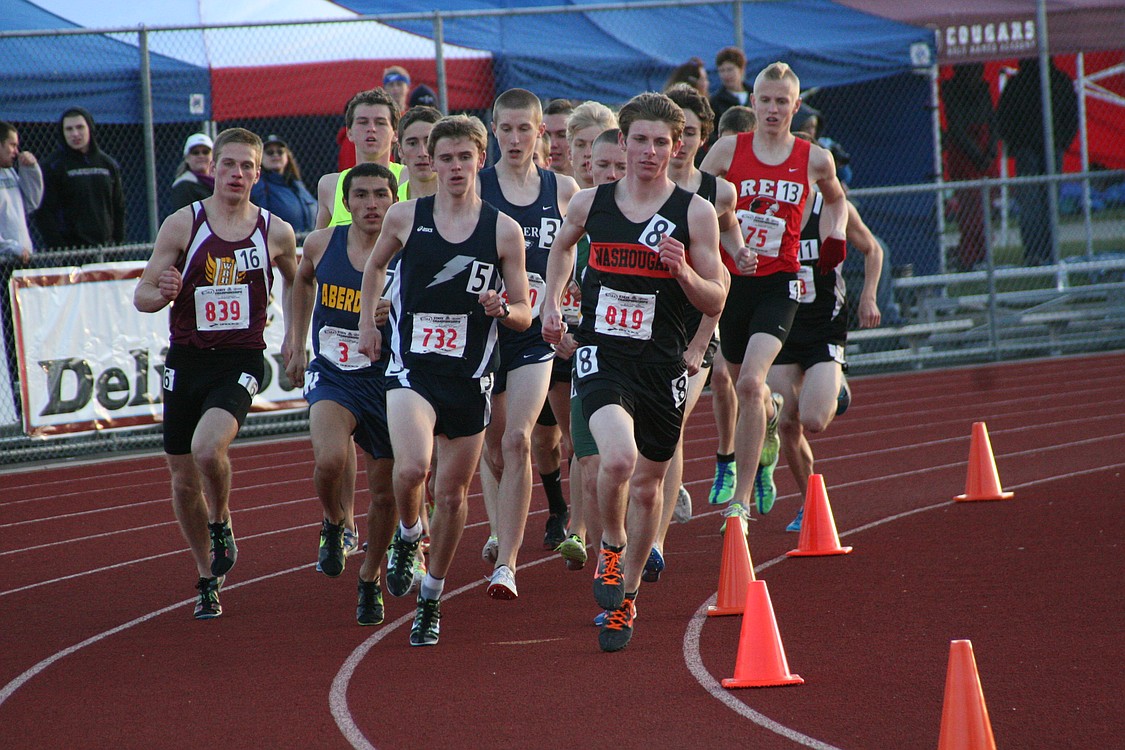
(719, 156)
(834, 214)
(560, 264)
(326, 198)
(510, 248)
(702, 277)
(567, 188)
(304, 298)
(161, 281)
(282, 243)
(863, 240)
(731, 240)
(396, 228)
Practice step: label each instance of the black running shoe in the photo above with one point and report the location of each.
(224, 552)
(369, 609)
(208, 607)
(555, 531)
(844, 398)
(617, 630)
(400, 564)
(427, 623)
(331, 558)
(609, 584)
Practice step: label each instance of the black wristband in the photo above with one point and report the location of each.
(507, 310)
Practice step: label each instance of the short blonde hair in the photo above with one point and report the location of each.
(778, 71)
(238, 135)
(589, 113)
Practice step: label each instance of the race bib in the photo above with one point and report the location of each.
(250, 258)
(657, 227)
(340, 346)
(763, 233)
(585, 362)
(536, 288)
(439, 334)
(222, 308)
(808, 288)
(625, 314)
(548, 228)
(571, 307)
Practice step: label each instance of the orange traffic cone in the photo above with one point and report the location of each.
(818, 529)
(735, 572)
(983, 483)
(761, 657)
(964, 717)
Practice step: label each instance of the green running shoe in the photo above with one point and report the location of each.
(772, 444)
(765, 491)
(722, 490)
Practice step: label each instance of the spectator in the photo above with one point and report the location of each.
(422, 96)
(970, 150)
(731, 63)
(396, 82)
(83, 202)
(21, 190)
(810, 122)
(737, 120)
(280, 190)
(194, 180)
(692, 73)
(1020, 121)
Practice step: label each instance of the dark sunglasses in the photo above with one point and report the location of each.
(200, 151)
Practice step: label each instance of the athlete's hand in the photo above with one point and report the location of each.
(295, 359)
(832, 253)
(869, 315)
(550, 316)
(574, 290)
(382, 311)
(169, 283)
(493, 303)
(672, 254)
(370, 341)
(746, 261)
(693, 358)
(566, 348)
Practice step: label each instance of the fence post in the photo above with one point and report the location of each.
(990, 265)
(939, 178)
(1048, 120)
(1084, 150)
(439, 63)
(150, 141)
(738, 30)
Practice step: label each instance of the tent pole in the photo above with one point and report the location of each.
(439, 63)
(939, 179)
(1049, 135)
(150, 141)
(1084, 147)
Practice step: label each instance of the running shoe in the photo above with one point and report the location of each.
(736, 510)
(330, 560)
(844, 398)
(555, 531)
(224, 552)
(771, 447)
(502, 584)
(722, 490)
(419, 570)
(795, 524)
(682, 512)
(400, 564)
(208, 607)
(427, 623)
(369, 609)
(491, 552)
(654, 566)
(600, 618)
(765, 491)
(617, 630)
(351, 542)
(573, 551)
(609, 585)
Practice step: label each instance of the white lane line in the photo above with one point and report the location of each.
(694, 660)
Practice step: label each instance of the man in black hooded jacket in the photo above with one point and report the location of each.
(83, 202)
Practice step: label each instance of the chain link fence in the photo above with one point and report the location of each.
(958, 281)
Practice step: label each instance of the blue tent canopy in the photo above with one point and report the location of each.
(43, 75)
(612, 55)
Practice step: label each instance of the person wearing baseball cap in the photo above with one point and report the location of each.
(194, 180)
(396, 82)
(280, 189)
(423, 96)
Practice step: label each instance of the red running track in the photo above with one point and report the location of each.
(100, 648)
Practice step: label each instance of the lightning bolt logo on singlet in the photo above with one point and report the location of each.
(452, 267)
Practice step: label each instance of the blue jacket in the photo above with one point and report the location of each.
(291, 201)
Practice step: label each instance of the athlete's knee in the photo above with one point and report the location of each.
(332, 462)
(516, 444)
(750, 387)
(817, 419)
(410, 473)
(618, 465)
